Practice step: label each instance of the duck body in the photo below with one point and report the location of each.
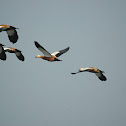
(47, 56)
(51, 59)
(98, 72)
(16, 51)
(11, 31)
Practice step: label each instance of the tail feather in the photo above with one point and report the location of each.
(57, 59)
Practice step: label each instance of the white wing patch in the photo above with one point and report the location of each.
(84, 69)
(55, 53)
(1, 26)
(6, 49)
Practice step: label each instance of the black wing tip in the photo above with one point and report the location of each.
(3, 55)
(13, 41)
(3, 58)
(13, 38)
(37, 44)
(1, 44)
(13, 27)
(73, 73)
(103, 78)
(21, 58)
(67, 48)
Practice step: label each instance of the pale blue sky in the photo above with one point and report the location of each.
(40, 93)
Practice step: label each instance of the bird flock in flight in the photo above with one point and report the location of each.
(13, 37)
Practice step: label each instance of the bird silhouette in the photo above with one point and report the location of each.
(98, 72)
(10, 50)
(47, 56)
(11, 31)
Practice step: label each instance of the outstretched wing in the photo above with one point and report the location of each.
(44, 51)
(2, 53)
(12, 35)
(101, 76)
(19, 55)
(57, 54)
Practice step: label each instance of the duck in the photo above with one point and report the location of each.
(2, 52)
(48, 56)
(16, 51)
(11, 31)
(99, 73)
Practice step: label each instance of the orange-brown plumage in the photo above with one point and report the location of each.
(11, 31)
(47, 56)
(16, 51)
(98, 72)
(6, 26)
(12, 49)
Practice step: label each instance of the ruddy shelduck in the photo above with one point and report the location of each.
(98, 72)
(11, 31)
(2, 52)
(47, 56)
(16, 51)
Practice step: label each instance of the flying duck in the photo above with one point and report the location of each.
(47, 56)
(11, 31)
(16, 51)
(98, 72)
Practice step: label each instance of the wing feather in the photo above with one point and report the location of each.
(59, 53)
(19, 55)
(101, 76)
(12, 35)
(2, 53)
(44, 51)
